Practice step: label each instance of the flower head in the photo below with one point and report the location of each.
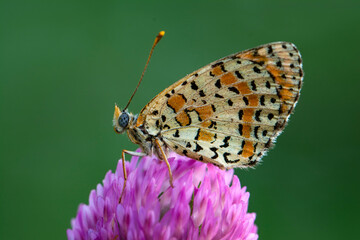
(202, 204)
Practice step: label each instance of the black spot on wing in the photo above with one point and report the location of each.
(246, 100)
(198, 148)
(176, 134)
(241, 114)
(163, 118)
(215, 137)
(257, 115)
(264, 133)
(256, 69)
(253, 85)
(218, 83)
(234, 89)
(216, 155)
(240, 129)
(262, 100)
(270, 116)
(226, 142)
(267, 84)
(201, 93)
(256, 129)
(194, 86)
(238, 74)
(213, 124)
(217, 64)
(223, 68)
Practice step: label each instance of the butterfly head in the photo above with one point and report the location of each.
(122, 120)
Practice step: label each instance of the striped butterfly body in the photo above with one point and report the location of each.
(227, 113)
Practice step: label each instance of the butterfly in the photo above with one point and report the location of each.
(227, 113)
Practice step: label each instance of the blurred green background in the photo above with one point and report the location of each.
(63, 64)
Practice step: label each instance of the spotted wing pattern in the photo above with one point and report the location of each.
(229, 112)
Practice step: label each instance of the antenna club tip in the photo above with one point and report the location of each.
(159, 36)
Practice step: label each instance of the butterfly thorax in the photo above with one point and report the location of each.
(146, 131)
(140, 137)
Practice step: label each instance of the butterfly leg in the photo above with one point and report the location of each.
(166, 161)
(139, 154)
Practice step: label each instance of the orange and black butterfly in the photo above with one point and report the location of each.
(227, 113)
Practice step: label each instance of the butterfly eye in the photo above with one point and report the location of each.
(123, 120)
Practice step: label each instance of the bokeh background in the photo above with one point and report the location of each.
(63, 65)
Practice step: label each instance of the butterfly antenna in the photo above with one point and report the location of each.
(157, 39)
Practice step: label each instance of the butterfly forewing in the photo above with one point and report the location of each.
(230, 111)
